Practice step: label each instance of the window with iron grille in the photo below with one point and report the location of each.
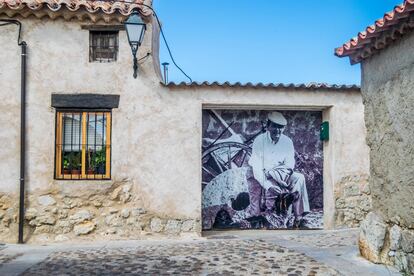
(103, 46)
(83, 145)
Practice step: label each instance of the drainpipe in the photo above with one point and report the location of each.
(23, 45)
(22, 140)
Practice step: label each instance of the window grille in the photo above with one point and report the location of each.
(103, 46)
(83, 145)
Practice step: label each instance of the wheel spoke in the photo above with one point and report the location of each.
(225, 156)
(217, 162)
(209, 172)
(229, 158)
(244, 157)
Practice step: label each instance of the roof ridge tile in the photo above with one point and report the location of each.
(91, 6)
(290, 86)
(363, 45)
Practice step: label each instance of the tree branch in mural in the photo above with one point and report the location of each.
(248, 177)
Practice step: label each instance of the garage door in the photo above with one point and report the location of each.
(262, 169)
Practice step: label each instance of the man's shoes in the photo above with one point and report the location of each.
(300, 223)
(275, 221)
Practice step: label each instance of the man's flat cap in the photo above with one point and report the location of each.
(277, 118)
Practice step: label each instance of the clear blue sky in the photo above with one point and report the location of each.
(265, 40)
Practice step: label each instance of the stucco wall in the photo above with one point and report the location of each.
(387, 88)
(156, 139)
(388, 95)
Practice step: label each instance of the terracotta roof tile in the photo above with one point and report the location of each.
(11, 7)
(290, 86)
(380, 34)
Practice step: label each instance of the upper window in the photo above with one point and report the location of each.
(83, 145)
(103, 46)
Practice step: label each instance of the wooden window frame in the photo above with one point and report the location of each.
(59, 173)
(94, 49)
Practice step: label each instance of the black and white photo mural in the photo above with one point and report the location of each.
(262, 169)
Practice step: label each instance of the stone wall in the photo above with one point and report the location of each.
(352, 200)
(387, 89)
(110, 213)
(384, 242)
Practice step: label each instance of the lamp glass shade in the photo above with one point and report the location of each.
(135, 29)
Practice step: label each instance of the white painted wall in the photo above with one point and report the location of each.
(156, 131)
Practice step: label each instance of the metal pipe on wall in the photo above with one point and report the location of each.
(22, 140)
(23, 74)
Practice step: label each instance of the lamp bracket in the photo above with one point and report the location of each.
(135, 67)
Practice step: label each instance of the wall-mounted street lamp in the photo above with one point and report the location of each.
(135, 29)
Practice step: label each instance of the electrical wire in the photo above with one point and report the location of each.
(161, 30)
(15, 22)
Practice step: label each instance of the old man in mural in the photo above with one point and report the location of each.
(272, 162)
(254, 177)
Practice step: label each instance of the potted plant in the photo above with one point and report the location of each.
(74, 162)
(99, 161)
(66, 168)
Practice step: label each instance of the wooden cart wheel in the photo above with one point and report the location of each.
(222, 157)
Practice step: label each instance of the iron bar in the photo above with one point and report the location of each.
(94, 144)
(80, 144)
(63, 144)
(89, 155)
(103, 149)
(71, 146)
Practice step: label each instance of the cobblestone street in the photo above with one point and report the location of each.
(219, 253)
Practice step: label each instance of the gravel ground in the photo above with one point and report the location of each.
(325, 240)
(6, 258)
(289, 252)
(230, 257)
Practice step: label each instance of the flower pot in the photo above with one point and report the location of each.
(67, 171)
(100, 169)
(75, 172)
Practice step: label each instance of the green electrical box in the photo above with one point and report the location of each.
(325, 131)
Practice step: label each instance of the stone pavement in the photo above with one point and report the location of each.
(218, 253)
